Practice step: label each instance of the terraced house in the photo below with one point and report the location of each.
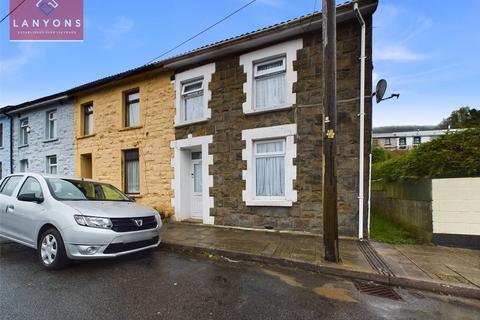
(249, 126)
(228, 134)
(123, 128)
(42, 135)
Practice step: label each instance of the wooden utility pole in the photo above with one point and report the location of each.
(330, 223)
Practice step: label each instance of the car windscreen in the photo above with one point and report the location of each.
(71, 189)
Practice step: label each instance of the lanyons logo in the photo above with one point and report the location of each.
(47, 7)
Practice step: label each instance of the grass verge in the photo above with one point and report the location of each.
(384, 230)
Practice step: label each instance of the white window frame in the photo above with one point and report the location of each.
(249, 61)
(188, 77)
(23, 165)
(256, 156)
(251, 137)
(49, 124)
(50, 165)
(190, 94)
(23, 132)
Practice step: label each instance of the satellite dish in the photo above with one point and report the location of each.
(380, 89)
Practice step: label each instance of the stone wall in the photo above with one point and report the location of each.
(39, 147)
(5, 146)
(408, 204)
(152, 137)
(228, 121)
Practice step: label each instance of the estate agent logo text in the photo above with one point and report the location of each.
(46, 20)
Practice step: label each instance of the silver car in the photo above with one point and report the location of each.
(73, 218)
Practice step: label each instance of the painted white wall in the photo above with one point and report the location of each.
(456, 206)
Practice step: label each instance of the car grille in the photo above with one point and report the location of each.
(121, 247)
(128, 224)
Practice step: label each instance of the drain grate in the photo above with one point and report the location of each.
(375, 289)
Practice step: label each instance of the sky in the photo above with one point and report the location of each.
(427, 50)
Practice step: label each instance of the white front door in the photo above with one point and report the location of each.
(196, 173)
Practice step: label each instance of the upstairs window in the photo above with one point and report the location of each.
(88, 119)
(132, 109)
(24, 130)
(192, 100)
(402, 142)
(269, 87)
(387, 141)
(51, 127)
(417, 140)
(52, 164)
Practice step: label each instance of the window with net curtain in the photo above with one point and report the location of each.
(269, 84)
(270, 168)
(88, 119)
(52, 125)
(131, 171)
(132, 109)
(192, 100)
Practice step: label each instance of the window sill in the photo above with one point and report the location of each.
(134, 196)
(269, 203)
(260, 111)
(50, 140)
(183, 124)
(130, 128)
(87, 136)
(23, 146)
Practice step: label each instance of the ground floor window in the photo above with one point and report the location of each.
(52, 164)
(131, 171)
(24, 165)
(270, 168)
(269, 153)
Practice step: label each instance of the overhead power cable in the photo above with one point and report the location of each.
(201, 32)
(14, 9)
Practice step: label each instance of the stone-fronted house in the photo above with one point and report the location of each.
(42, 139)
(249, 126)
(5, 152)
(123, 128)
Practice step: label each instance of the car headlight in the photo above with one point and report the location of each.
(94, 222)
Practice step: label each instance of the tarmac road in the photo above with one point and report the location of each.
(165, 285)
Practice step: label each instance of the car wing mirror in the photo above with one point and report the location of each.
(30, 197)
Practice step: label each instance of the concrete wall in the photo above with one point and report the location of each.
(110, 137)
(39, 147)
(5, 148)
(408, 204)
(456, 208)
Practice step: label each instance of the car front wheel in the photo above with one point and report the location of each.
(51, 250)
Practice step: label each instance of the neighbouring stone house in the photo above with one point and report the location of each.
(123, 128)
(5, 153)
(42, 139)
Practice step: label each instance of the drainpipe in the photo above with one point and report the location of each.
(369, 193)
(11, 142)
(362, 122)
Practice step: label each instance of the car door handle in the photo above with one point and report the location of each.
(10, 208)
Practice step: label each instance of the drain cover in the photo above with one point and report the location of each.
(375, 289)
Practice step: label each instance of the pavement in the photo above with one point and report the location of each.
(160, 284)
(439, 269)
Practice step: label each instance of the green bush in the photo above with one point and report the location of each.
(379, 155)
(452, 155)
